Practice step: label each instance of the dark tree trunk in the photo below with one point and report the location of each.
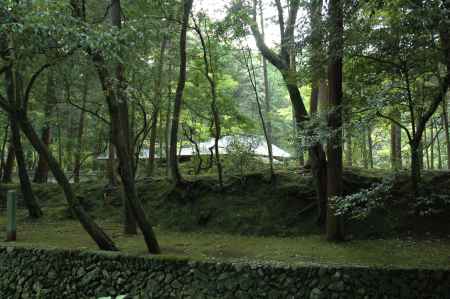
(111, 165)
(415, 166)
(117, 106)
(335, 229)
(97, 234)
(34, 211)
(174, 169)
(14, 94)
(349, 150)
(432, 139)
(9, 164)
(396, 146)
(267, 120)
(79, 151)
(121, 137)
(152, 147)
(438, 143)
(3, 150)
(156, 110)
(427, 152)
(41, 174)
(446, 130)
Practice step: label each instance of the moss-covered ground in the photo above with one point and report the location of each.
(310, 249)
(251, 219)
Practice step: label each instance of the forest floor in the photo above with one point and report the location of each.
(311, 249)
(251, 219)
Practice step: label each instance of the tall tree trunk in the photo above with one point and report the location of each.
(252, 76)
(415, 166)
(349, 149)
(335, 230)
(431, 144)
(396, 146)
(438, 141)
(427, 152)
(9, 164)
(79, 151)
(96, 233)
(41, 173)
(14, 94)
(174, 169)
(157, 105)
(285, 63)
(111, 164)
(370, 146)
(60, 143)
(446, 130)
(364, 150)
(152, 146)
(209, 73)
(267, 99)
(34, 211)
(167, 130)
(3, 150)
(117, 104)
(122, 135)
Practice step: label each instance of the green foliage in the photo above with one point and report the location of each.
(360, 205)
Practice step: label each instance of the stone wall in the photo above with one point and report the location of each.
(38, 273)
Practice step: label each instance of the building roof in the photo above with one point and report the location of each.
(251, 143)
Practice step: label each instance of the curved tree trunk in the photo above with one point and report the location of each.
(173, 160)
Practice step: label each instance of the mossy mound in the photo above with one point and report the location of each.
(255, 205)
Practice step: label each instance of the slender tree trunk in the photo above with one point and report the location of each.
(9, 164)
(3, 150)
(370, 146)
(117, 104)
(432, 139)
(158, 99)
(79, 151)
(122, 134)
(14, 93)
(41, 173)
(335, 230)
(96, 233)
(252, 76)
(446, 130)
(152, 146)
(34, 211)
(396, 146)
(209, 73)
(174, 169)
(267, 99)
(349, 150)
(438, 141)
(167, 130)
(60, 143)
(111, 165)
(427, 152)
(364, 151)
(415, 166)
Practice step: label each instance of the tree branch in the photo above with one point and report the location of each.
(397, 123)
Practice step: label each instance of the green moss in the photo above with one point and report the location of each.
(309, 249)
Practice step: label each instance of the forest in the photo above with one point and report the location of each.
(282, 118)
